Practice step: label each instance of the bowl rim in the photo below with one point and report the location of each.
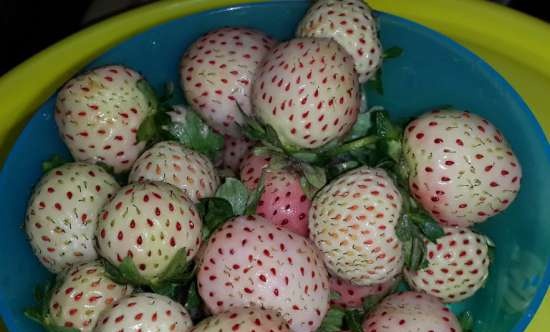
(162, 12)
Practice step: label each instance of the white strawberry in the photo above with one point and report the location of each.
(184, 168)
(352, 221)
(308, 91)
(98, 114)
(352, 296)
(462, 170)
(350, 23)
(458, 265)
(250, 262)
(411, 312)
(234, 152)
(244, 320)
(84, 294)
(62, 213)
(148, 222)
(145, 312)
(217, 73)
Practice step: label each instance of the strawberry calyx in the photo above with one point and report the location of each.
(192, 132)
(41, 313)
(177, 274)
(231, 199)
(53, 162)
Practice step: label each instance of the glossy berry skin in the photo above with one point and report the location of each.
(83, 295)
(252, 168)
(98, 114)
(62, 214)
(458, 265)
(148, 222)
(145, 312)
(351, 296)
(217, 72)
(350, 23)
(250, 262)
(462, 170)
(244, 320)
(352, 222)
(308, 91)
(411, 312)
(171, 162)
(283, 202)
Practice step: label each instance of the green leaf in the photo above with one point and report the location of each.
(34, 314)
(178, 270)
(392, 52)
(195, 134)
(375, 83)
(314, 175)
(147, 130)
(254, 196)
(353, 320)
(168, 289)
(333, 321)
(466, 321)
(234, 191)
(405, 229)
(371, 301)
(54, 162)
(214, 212)
(306, 156)
(429, 227)
(150, 95)
(335, 170)
(130, 274)
(113, 272)
(193, 302)
(56, 328)
(417, 256)
(334, 295)
(361, 127)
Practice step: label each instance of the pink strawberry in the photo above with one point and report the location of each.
(252, 168)
(308, 91)
(462, 170)
(283, 201)
(351, 296)
(84, 294)
(145, 312)
(352, 221)
(148, 222)
(234, 152)
(98, 114)
(411, 312)
(458, 265)
(217, 73)
(250, 262)
(184, 168)
(244, 320)
(352, 25)
(62, 213)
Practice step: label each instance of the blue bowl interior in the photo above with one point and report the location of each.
(433, 71)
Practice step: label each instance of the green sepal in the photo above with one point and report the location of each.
(54, 162)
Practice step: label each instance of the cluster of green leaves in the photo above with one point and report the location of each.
(191, 131)
(41, 313)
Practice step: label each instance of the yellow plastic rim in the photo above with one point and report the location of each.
(515, 44)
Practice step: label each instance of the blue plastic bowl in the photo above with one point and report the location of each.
(433, 71)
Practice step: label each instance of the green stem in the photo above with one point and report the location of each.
(352, 146)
